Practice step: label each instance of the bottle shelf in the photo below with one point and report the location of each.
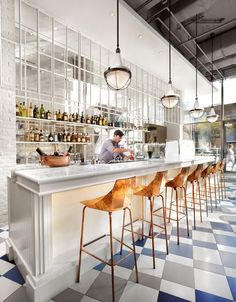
(53, 143)
(72, 124)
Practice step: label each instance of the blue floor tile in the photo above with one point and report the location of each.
(158, 254)
(182, 232)
(127, 262)
(15, 276)
(232, 285)
(5, 258)
(141, 242)
(225, 240)
(206, 297)
(100, 267)
(208, 245)
(164, 297)
(221, 226)
(185, 250)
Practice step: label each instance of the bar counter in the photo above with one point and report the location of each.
(45, 217)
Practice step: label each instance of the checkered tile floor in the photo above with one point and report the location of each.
(202, 268)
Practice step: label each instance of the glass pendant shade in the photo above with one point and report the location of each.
(197, 111)
(171, 99)
(118, 77)
(212, 116)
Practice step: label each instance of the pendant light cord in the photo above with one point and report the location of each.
(169, 4)
(212, 72)
(117, 28)
(196, 57)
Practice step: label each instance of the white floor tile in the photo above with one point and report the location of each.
(226, 248)
(178, 290)
(138, 293)
(180, 260)
(160, 244)
(7, 287)
(207, 255)
(2, 249)
(4, 235)
(231, 272)
(86, 281)
(203, 236)
(212, 283)
(145, 266)
(119, 271)
(5, 266)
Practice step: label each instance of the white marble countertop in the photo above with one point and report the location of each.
(44, 180)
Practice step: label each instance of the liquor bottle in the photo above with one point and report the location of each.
(37, 114)
(41, 136)
(87, 138)
(74, 117)
(27, 136)
(100, 120)
(82, 119)
(48, 115)
(56, 153)
(67, 153)
(83, 139)
(34, 111)
(36, 135)
(88, 121)
(68, 137)
(60, 137)
(17, 109)
(64, 137)
(42, 112)
(23, 110)
(50, 137)
(31, 135)
(70, 118)
(30, 110)
(79, 137)
(55, 116)
(65, 117)
(73, 137)
(59, 115)
(40, 152)
(94, 120)
(20, 109)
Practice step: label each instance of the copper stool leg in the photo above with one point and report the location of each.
(142, 218)
(164, 218)
(200, 203)
(172, 191)
(205, 191)
(218, 185)
(81, 245)
(152, 230)
(134, 250)
(177, 214)
(194, 212)
(122, 234)
(112, 260)
(224, 183)
(185, 198)
(209, 186)
(215, 191)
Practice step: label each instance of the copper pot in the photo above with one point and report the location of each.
(55, 161)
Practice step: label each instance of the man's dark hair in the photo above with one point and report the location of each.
(118, 132)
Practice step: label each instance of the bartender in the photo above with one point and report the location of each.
(111, 150)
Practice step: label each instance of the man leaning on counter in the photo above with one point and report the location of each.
(111, 149)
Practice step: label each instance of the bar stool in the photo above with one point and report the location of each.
(117, 199)
(205, 176)
(194, 178)
(154, 189)
(179, 182)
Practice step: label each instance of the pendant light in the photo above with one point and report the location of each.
(212, 116)
(117, 77)
(197, 111)
(171, 99)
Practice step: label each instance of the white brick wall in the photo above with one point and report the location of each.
(7, 101)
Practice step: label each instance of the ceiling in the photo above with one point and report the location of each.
(216, 20)
(139, 42)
